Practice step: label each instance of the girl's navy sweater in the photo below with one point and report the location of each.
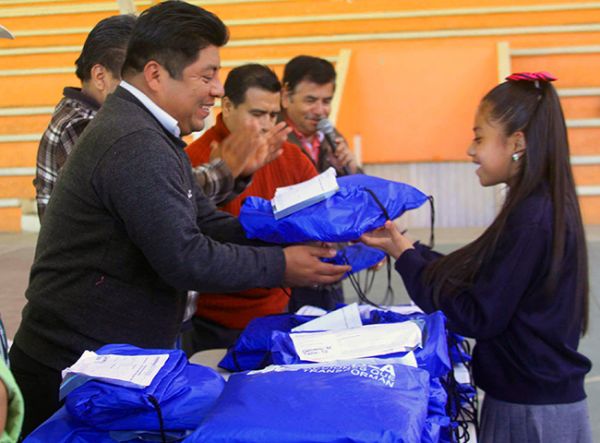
(526, 350)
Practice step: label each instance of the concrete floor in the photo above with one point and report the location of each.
(17, 250)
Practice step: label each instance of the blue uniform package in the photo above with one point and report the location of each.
(351, 402)
(184, 392)
(252, 349)
(98, 410)
(358, 255)
(432, 356)
(345, 216)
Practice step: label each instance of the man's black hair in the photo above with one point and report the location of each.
(244, 77)
(172, 33)
(307, 68)
(105, 45)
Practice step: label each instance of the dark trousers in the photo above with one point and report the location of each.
(205, 334)
(325, 297)
(39, 385)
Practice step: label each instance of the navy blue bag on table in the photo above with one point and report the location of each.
(252, 349)
(363, 203)
(350, 402)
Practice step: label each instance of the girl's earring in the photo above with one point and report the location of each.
(515, 157)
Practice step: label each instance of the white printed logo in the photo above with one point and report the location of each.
(189, 193)
(383, 374)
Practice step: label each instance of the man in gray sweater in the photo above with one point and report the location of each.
(127, 230)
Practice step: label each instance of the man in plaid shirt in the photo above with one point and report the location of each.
(99, 69)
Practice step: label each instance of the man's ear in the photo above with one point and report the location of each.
(226, 106)
(154, 74)
(99, 77)
(286, 96)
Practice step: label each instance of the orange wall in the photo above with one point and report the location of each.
(416, 102)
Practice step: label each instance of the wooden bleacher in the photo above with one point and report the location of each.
(39, 62)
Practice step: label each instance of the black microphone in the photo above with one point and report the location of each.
(328, 131)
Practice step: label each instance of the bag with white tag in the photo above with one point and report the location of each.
(184, 392)
(362, 203)
(175, 400)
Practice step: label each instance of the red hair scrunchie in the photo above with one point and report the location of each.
(541, 76)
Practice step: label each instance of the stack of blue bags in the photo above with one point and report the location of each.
(280, 398)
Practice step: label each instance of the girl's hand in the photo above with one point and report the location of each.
(387, 238)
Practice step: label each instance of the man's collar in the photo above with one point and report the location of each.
(168, 122)
(79, 95)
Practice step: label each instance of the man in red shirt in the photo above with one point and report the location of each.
(252, 97)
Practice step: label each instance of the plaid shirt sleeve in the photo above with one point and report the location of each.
(217, 182)
(56, 144)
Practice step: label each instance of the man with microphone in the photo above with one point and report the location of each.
(308, 88)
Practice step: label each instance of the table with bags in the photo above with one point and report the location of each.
(273, 394)
(390, 374)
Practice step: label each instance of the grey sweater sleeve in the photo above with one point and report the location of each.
(147, 185)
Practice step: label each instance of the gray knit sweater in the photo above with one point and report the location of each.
(126, 233)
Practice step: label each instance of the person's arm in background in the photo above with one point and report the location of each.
(217, 181)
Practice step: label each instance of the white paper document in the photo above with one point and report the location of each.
(290, 199)
(366, 341)
(134, 370)
(344, 318)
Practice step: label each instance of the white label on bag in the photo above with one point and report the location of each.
(344, 318)
(366, 341)
(137, 370)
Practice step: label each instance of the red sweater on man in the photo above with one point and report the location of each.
(235, 310)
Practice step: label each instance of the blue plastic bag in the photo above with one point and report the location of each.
(95, 410)
(252, 349)
(184, 392)
(354, 402)
(345, 216)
